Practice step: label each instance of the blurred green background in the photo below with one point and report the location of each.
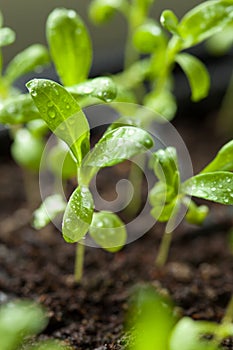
(27, 18)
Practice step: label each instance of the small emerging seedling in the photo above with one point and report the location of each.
(21, 320)
(153, 323)
(213, 183)
(66, 120)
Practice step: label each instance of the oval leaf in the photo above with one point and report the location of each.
(169, 21)
(216, 187)
(114, 147)
(197, 75)
(102, 88)
(205, 20)
(148, 37)
(27, 149)
(101, 11)
(196, 331)
(32, 58)
(108, 231)
(222, 161)
(18, 110)
(78, 215)
(62, 114)
(49, 209)
(70, 45)
(7, 36)
(61, 162)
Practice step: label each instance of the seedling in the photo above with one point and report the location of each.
(21, 320)
(213, 183)
(147, 37)
(154, 323)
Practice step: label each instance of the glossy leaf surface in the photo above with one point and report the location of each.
(222, 161)
(205, 20)
(216, 187)
(49, 209)
(62, 114)
(148, 37)
(108, 231)
(102, 88)
(197, 75)
(19, 109)
(78, 215)
(70, 45)
(34, 57)
(114, 147)
(7, 36)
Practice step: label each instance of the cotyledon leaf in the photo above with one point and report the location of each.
(78, 215)
(18, 110)
(216, 186)
(197, 75)
(70, 45)
(114, 147)
(49, 209)
(222, 161)
(62, 114)
(205, 20)
(7, 36)
(102, 88)
(108, 231)
(31, 58)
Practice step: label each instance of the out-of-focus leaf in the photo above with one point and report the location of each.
(7, 36)
(222, 161)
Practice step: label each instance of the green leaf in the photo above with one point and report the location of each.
(163, 103)
(62, 114)
(196, 214)
(27, 150)
(61, 163)
(18, 321)
(19, 109)
(37, 127)
(7, 36)
(148, 37)
(216, 186)
(195, 331)
(114, 147)
(108, 231)
(151, 319)
(70, 45)
(165, 165)
(102, 88)
(49, 209)
(32, 58)
(163, 212)
(197, 75)
(78, 215)
(222, 161)
(204, 21)
(100, 11)
(169, 21)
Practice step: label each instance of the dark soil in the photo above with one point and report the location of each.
(39, 266)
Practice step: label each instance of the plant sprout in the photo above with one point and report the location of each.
(154, 323)
(213, 183)
(21, 320)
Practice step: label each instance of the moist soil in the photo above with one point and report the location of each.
(90, 315)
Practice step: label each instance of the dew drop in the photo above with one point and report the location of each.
(34, 93)
(213, 189)
(52, 113)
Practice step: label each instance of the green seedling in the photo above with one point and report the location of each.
(153, 323)
(19, 321)
(32, 58)
(150, 320)
(66, 120)
(146, 36)
(213, 183)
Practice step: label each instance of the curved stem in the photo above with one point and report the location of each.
(228, 317)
